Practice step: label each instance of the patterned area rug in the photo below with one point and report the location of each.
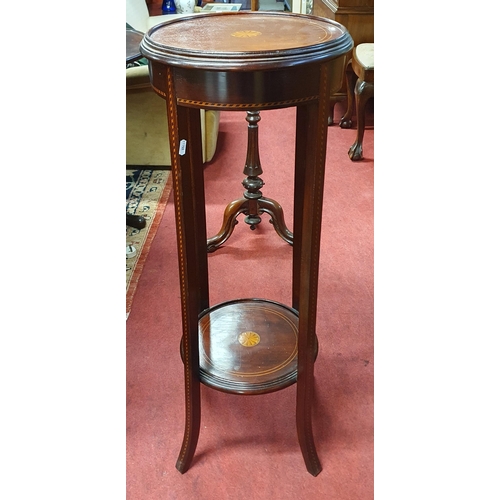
(147, 195)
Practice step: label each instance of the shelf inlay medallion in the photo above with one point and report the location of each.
(249, 339)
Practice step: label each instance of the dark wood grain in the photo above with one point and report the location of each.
(249, 346)
(253, 204)
(250, 62)
(133, 41)
(358, 17)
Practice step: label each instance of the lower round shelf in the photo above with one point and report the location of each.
(248, 346)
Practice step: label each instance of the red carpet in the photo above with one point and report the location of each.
(143, 245)
(248, 446)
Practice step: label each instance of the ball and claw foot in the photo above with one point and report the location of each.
(356, 151)
(345, 123)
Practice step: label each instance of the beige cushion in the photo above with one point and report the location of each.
(147, 132)
(364, 54)
(147, 140)
(137, 14)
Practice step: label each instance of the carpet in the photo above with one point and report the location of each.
(248, 447)
(147, 195)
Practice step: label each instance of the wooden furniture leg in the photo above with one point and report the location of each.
(310, 147)
(334, 99)
(185, 142)
(346, 120)
(253, 204)
(302, 294)
(363, 92)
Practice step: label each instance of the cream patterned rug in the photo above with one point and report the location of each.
(147, 195)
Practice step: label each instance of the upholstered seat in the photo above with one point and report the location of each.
(138, 16)
(363, 67)
(147, 131)
(147, 139)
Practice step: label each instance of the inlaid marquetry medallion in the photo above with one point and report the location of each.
(249, 339)
(246, 33)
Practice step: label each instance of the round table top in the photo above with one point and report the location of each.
(134, 39)
(245, 40)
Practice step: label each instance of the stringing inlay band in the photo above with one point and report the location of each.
(220, 339)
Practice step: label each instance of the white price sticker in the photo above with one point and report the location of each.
(182, 147)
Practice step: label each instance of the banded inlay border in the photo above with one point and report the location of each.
(204, 104)
(262, 105)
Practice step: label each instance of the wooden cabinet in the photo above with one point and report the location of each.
(357, 17)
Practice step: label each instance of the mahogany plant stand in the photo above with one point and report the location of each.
(257, 61)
